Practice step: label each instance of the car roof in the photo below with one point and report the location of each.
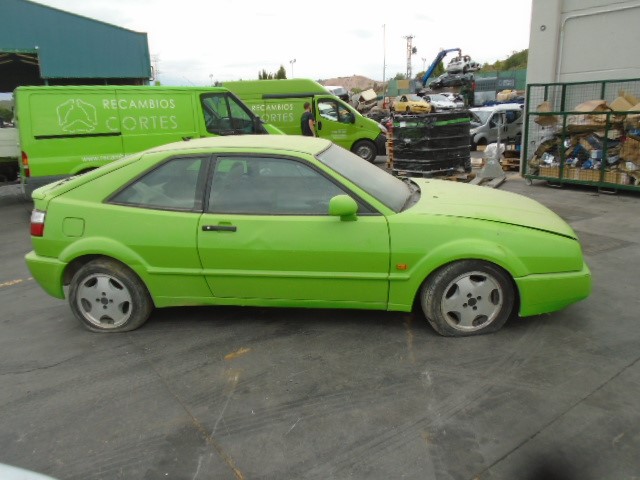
(291, 143)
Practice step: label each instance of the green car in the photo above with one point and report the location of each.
(291, 221)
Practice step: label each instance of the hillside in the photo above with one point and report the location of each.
(354, 81)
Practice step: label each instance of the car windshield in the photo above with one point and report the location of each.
(414, 98)
(389, 190)
(438, 97)
(480, 116)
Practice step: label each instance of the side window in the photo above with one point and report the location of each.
(269, 186)
(344, 114)
(328, 109)
(223, 115)
(171, 186)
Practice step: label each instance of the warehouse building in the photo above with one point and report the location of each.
(41, 45)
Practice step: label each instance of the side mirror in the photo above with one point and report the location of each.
(343, 206)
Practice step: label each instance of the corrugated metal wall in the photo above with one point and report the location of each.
(71, 46)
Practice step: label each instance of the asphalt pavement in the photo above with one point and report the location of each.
(244, 393)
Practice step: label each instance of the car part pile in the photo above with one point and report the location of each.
(430, 144)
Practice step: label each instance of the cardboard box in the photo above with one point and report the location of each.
(545, 120)
(571, 173)
(630, 150)
(553, 172)
(595, 113)
(620, 104)
(589, 175)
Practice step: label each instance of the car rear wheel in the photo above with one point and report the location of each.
(106, 296)
(469, 297)
(366, 150)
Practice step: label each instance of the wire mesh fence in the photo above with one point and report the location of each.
(586, 132)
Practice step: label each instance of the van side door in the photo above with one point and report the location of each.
(335, 120)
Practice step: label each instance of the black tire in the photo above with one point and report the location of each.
(482, 142)
(469, 297)
(365, 149)
(106, 296)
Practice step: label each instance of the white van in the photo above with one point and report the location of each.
(485, 121)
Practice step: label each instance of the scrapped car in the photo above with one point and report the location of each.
(411, 103)
(439, 102)
(455, 98)
(452, 80)
(292, 221)
(462, 64)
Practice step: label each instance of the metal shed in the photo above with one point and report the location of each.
(41, 45)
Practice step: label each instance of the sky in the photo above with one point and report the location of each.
(197, 42)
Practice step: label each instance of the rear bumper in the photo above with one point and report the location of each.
(47, 272)
(551, 292)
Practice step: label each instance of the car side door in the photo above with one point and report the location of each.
(266, 235)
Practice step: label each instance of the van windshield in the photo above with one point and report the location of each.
(389, 190)
(226, 115)
(480, 116)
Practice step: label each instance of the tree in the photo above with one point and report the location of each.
(281, 74)
(5, 114)
(400, 76)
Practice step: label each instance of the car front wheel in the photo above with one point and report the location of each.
(106, 296)
(469, 297)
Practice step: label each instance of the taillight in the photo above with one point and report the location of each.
(37, 223)
(25, 165)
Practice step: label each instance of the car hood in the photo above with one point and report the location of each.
(453, 199)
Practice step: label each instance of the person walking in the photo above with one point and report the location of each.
(308, 121)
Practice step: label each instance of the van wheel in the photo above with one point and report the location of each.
(365, 149)
(106, 296)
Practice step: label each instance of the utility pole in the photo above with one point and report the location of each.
(410, 51)
(384, 63)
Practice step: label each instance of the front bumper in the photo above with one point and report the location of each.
(550, 292)
(47, 272)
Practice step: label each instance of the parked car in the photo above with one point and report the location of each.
(293, 221)
(411, 103)
(455, 98)
(439, 102)
(452, 80)
(462, 64)
(485, 122)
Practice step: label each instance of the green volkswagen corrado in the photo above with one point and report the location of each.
(296, 222)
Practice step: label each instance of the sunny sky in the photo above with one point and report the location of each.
(197, 41)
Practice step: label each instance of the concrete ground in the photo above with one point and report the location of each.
(243, 393)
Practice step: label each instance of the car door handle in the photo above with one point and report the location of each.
(219, 228)
(319, 125)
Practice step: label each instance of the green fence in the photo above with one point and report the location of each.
(584, 132)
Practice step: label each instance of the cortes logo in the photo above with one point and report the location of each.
(77, 116)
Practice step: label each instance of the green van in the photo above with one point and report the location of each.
(281, 103)
(68, 130)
